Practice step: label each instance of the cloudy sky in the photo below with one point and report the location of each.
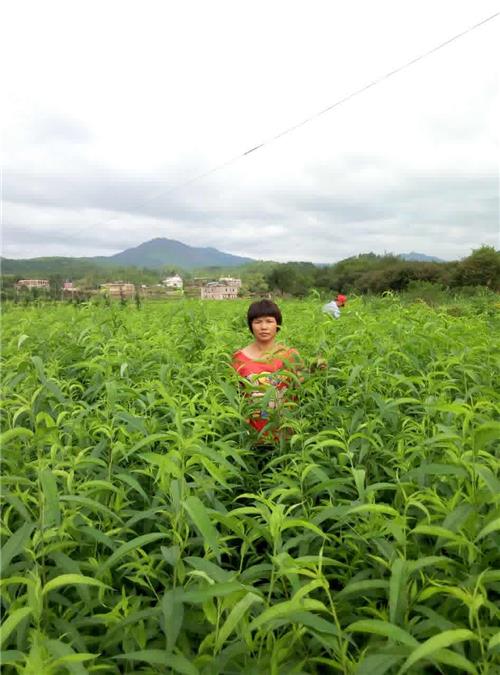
(111, 108)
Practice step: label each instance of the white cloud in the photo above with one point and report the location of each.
(114, 104)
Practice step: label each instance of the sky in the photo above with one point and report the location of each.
(113, 112)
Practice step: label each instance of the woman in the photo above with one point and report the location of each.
(266, 367)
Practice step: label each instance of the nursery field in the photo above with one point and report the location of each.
(141, 533)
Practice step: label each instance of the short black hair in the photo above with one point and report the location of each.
(263, 307)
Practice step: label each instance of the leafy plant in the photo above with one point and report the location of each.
(140, 532)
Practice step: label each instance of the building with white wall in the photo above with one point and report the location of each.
(215, 290)
(118, 289)
(33, 283)
(230, 281)
(173, 282)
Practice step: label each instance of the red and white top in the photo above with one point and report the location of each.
(267, 380)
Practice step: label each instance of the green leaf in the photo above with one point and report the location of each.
(484, 434)
(171, 554)
(437, 621)
(377, 664)
(384, 628)
(201, 520)
(97, 536)
(361, 587)
(235, 616)
(131, 545)
(286, 609)
(359, 479)
(493, 526)
(212, 591)
(66, 659)
(163, 462)
(211, 569)
(21, 339)
(159, 657)
(15, 545)
(495, 641)
(131, 482)
(155, 657)
(297, 522)
(397, 590)
(16, 432)
(372, 508)
(490, 480)
(10, 656)
(436, 470)
(51, 511)
(180, 664)
(152, 438)
(438, 531)
(173, 615)
(434, 644)
(91, 504)
(71, 580)
(317, 623)
(454, 659)
(11, 623)
(48, 384)
(421, 563)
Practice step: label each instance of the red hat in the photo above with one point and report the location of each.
(341, 298)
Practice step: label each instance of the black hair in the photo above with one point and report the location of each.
(263, 308)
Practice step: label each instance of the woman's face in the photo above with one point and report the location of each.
(265, 328)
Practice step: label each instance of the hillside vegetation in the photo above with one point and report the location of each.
(363, 274)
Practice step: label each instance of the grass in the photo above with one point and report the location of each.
(141, 534)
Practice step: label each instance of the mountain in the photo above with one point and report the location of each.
(419, 257)
(153, 254)
(160, 252)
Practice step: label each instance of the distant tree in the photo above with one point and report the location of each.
(481, 268)
(282, 279)
(169, 271)
(137, 297)
(292, 278)
(254, 283)
(55, 285)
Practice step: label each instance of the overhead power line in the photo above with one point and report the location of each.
(309, 119)
(338, 103)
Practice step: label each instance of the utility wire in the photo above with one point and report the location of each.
(305, 121)
(338, 103)
(374, 83)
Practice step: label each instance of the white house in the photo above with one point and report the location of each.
(230, 281)
(214, 290)
(33, 283)
(70, 287)
(173, 282)
(118, 288)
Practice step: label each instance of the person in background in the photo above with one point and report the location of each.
(266, 368)
(333, 307)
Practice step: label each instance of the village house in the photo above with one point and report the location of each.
(33, 283)
(118, 289)
(69, 287)
(215, 290)
(173, 282)
(230, 281)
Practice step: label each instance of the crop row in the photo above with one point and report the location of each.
(142, 533)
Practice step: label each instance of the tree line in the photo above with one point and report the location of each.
(371, 273)
(367, 273)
